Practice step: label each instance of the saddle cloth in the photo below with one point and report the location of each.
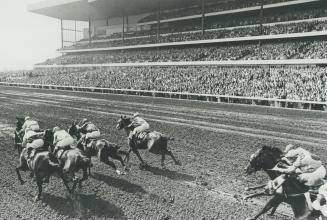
(142, 135)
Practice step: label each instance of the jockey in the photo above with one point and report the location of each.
(139, 124)
(61, 139)
(34, 141)
(29, 125)
(311, 171)
(89, 130)
(320, 203)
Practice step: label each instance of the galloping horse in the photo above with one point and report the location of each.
(71, 160)
(154, 142)
(18, 137)
(266, 158)
(103, 149)
(41, 166)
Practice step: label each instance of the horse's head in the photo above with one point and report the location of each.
(123, 122)
(48, 138)
(263, 159)
(19, 123)
(73, 130)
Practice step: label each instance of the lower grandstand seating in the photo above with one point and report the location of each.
(240, 51)
(290, 82)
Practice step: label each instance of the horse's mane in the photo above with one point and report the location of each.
(275, 150)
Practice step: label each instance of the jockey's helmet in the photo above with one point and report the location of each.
(290, 147)
(84, 120)
(136, 114)
(27, 118)
(55, 129)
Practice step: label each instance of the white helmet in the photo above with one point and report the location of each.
(55, 129)
(290, 147)
(136, 114)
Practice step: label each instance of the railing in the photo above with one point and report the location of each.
(196, 63)
(274, 102)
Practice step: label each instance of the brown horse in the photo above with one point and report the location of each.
(154, 142)
(266, 158)
(71, 161)
(102, 148)
(42, 167)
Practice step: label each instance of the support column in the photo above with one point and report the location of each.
(158, 23)
(203, 15)
(123, 31)
(62, 33)
(261, 18)
(75, 30)
(90, 31)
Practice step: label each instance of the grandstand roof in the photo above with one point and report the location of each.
(101, 9)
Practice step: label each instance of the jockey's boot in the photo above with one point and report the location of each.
(309, 202)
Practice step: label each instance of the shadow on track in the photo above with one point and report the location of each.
(121, 184)
(174, 175)
(84, 207)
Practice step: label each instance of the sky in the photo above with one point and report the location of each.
(26, 38)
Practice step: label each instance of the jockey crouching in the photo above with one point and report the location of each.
(61, 140)
(29, 125)
(139, 124)
(310, 171)
(88, 130)
(33, 141)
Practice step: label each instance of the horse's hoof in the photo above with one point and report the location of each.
(22, 182)
(127, 169)
(36, 198)
(179, 163)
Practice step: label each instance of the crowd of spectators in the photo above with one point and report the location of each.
(296, 27)
(211, 6)
(285, 82)
(308, 49)
(282, 15)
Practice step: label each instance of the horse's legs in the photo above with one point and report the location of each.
(163, 156)
(255, 187)
(273, 210)
(140, 158)
(168, 152)
(84, 177)
(272, 203)
(62, 176)
(104, 159)
(19, 176)
(39, 186)
(89, 168)
(22, 166)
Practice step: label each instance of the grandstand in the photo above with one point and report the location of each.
(270, 52)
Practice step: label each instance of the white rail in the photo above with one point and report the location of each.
(196, 63)
(276, 102)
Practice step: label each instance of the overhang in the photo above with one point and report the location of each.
(102, 9)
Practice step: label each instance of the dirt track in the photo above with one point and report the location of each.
(212, 141)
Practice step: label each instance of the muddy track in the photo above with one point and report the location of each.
(213, 142)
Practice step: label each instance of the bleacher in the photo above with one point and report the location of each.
(276, 50)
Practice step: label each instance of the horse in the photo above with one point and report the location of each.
(41, 166)
(71, 160)
(266, 158)
(102, 148)
(153, 142)
(18, 136)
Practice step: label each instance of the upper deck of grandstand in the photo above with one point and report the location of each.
(123, 23)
